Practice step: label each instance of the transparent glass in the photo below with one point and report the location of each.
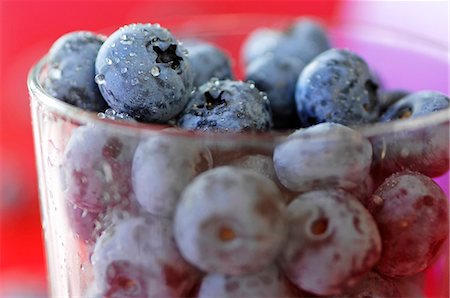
(71, 231)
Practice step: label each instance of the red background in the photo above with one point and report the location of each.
(28, 28)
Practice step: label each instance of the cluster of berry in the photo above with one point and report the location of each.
(327, 211)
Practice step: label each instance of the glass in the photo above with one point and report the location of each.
(401, 60)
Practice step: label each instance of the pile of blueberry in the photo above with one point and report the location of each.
(327, 212)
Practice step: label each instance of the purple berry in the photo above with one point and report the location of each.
(137, 257)
(424, 149)
(268, 283)
(97, 168)
(230, 221)
(83, 222)
(373, 285)
(411, 286)
(162, 167)
(413, 223)
(333, 242)
(326, 155)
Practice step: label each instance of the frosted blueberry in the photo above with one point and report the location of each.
(71, 70)
(326, 155)
(230, 221)
(139, 91)
(333, 241)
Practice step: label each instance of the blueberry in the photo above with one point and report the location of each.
(388, 98)
(422, 149)
(415, 105)
(97, 168)
(413, 223)
(333, 242)
(364, 190)
(337, 86)
(277, 76)
(162, 167)
(373, 285)
(263, 165)
(227, 106)
(259, 42)
(304, 39)
(143, 71)
(82, 222)
(208, 61)
(137, 257)
(267, 283)
(71, 70)
(411, 286)
(230, 221)
(326, 155)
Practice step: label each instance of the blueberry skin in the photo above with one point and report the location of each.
(162, 168)
(414, 215)
(230, 221)
(140, 251)
(323, 156)
(277, 76)
(227, 106)
(415, 105)
(208, 61)
(268, 283)
(304, 39)
(424, 149)
(258, 43)
(337, 86)
(97, 168)
(71, 70)
(390, 97)
(333, 242)
(374, 285)
(143, 71)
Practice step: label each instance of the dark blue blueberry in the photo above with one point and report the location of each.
(304, 39)
(227, 106)
(416, 104)
(277, 77)
(208, 61)
(71, 70)
(143, 71)
(338, 87)
(389, 97)
(258, 43)
(422, 149)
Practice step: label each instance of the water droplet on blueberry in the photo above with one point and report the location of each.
(100, 79)
(155, 71)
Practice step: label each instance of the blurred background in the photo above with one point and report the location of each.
(28, 28)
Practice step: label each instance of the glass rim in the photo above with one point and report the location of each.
(37, 93)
